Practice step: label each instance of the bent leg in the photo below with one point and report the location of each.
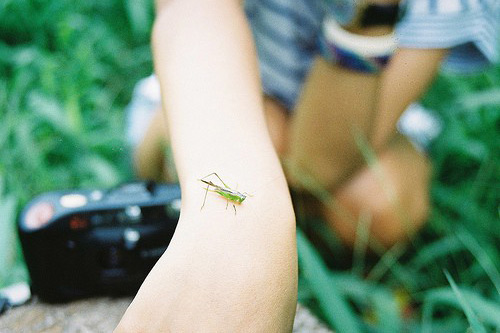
(394, 194)
(334, 103)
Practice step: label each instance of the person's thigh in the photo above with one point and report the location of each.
(335, 105)
(392, 196)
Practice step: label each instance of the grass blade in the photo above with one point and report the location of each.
(474, 322)
(387, 312)
(361, 243)
(366, 293)
(335, 307)
(8, 253)
(486, 309)
(389, 262)
(432, 251)
(481, 256)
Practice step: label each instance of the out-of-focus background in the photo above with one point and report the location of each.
(67, 72)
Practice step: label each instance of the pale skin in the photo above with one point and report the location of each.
(221, 272)
(238, 273)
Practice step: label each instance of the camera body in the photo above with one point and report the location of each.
(92, 242)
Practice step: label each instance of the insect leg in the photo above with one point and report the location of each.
(205, 198)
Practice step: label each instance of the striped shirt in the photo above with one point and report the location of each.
(287, 35)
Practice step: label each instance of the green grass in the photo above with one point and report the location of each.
(70, 68)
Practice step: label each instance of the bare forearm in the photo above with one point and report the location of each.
(407, 77)
(222, 270)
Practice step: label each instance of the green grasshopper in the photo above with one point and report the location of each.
(228, 193)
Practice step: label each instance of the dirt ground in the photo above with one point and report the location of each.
(99, 315)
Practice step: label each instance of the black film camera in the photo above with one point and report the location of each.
(93, 242)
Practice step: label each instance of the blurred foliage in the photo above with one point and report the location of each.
(448, 277)
(69, 70)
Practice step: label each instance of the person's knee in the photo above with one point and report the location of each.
(393, 221)
(390, 218)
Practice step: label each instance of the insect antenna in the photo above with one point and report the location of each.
(216, 175)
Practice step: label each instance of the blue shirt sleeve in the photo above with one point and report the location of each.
(469, 28)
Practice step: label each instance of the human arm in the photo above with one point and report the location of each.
(406, 77)
(465, 32)
(222, 271)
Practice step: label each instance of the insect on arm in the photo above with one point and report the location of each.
(225, 191)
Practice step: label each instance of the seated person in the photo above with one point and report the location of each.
(239, 272)
(324, 82)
